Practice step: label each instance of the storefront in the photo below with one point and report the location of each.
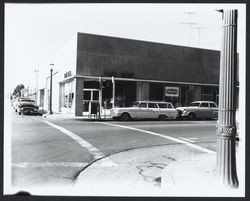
(114, 72)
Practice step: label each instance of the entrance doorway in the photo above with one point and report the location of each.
(90, 98)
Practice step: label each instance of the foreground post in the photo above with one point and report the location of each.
(226, 160)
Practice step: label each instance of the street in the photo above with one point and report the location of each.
(54, 151)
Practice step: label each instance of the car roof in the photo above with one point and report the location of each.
(152, 102)
(26, 99)
(203, 102)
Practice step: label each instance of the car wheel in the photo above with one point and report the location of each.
(19, 113)
(125, 117)
(162, 117)
(179, 117)
(191, 116)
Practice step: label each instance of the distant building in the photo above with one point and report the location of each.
(141, 70)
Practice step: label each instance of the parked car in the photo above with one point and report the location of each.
(145, 110)
(28, 108)
(199, 110)
(20, 101)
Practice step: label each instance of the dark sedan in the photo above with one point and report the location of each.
(28, 108)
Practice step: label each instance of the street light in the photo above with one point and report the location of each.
(50, 96)
(36, 71)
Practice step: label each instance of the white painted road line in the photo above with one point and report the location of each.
(187, 139)
(94, 151)
(49, 164)
(163, 136)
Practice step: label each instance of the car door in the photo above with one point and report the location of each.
(205, 111)
(153, 110)
(142, 111)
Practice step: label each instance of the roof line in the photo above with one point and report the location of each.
(143, 80)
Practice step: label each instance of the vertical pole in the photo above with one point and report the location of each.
(179, 96)
(100, 96)
(226, 126)
(113, 92)
(50, 98)
(36, 91)
(37, 86)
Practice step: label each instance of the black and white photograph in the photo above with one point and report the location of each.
(124, 99)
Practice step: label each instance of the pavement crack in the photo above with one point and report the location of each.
(169, 157)
(147, 171)
(141, 170)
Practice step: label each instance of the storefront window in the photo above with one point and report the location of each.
(95, 95)
(156, 92)
(87, 95)
(209, 93)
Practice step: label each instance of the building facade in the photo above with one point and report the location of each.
(116, 71)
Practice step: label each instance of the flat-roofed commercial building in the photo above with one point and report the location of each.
(93, 68)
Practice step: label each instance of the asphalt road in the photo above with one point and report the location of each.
(54, 151)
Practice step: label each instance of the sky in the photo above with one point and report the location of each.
(34, 33)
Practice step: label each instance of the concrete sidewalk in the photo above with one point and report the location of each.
(148, 172)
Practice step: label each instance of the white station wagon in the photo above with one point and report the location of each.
(145, 110)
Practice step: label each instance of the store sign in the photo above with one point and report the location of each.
(172, 91)
(68, 74)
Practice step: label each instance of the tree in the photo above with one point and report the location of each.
(17, 90)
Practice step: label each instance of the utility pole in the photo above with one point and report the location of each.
(226, 126)
(190, 24)
(199, 33)
(190, 27)
(50, 98)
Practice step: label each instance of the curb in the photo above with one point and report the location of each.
(69, 116)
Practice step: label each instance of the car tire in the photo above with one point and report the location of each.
(19, 113)
(162, 117)
(192, 116)
(179, 117)
(125, 117)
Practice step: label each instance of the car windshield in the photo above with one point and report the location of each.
(195, 104)
(28, 105)
(135, 104)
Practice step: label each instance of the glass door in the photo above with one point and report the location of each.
(90, 97)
